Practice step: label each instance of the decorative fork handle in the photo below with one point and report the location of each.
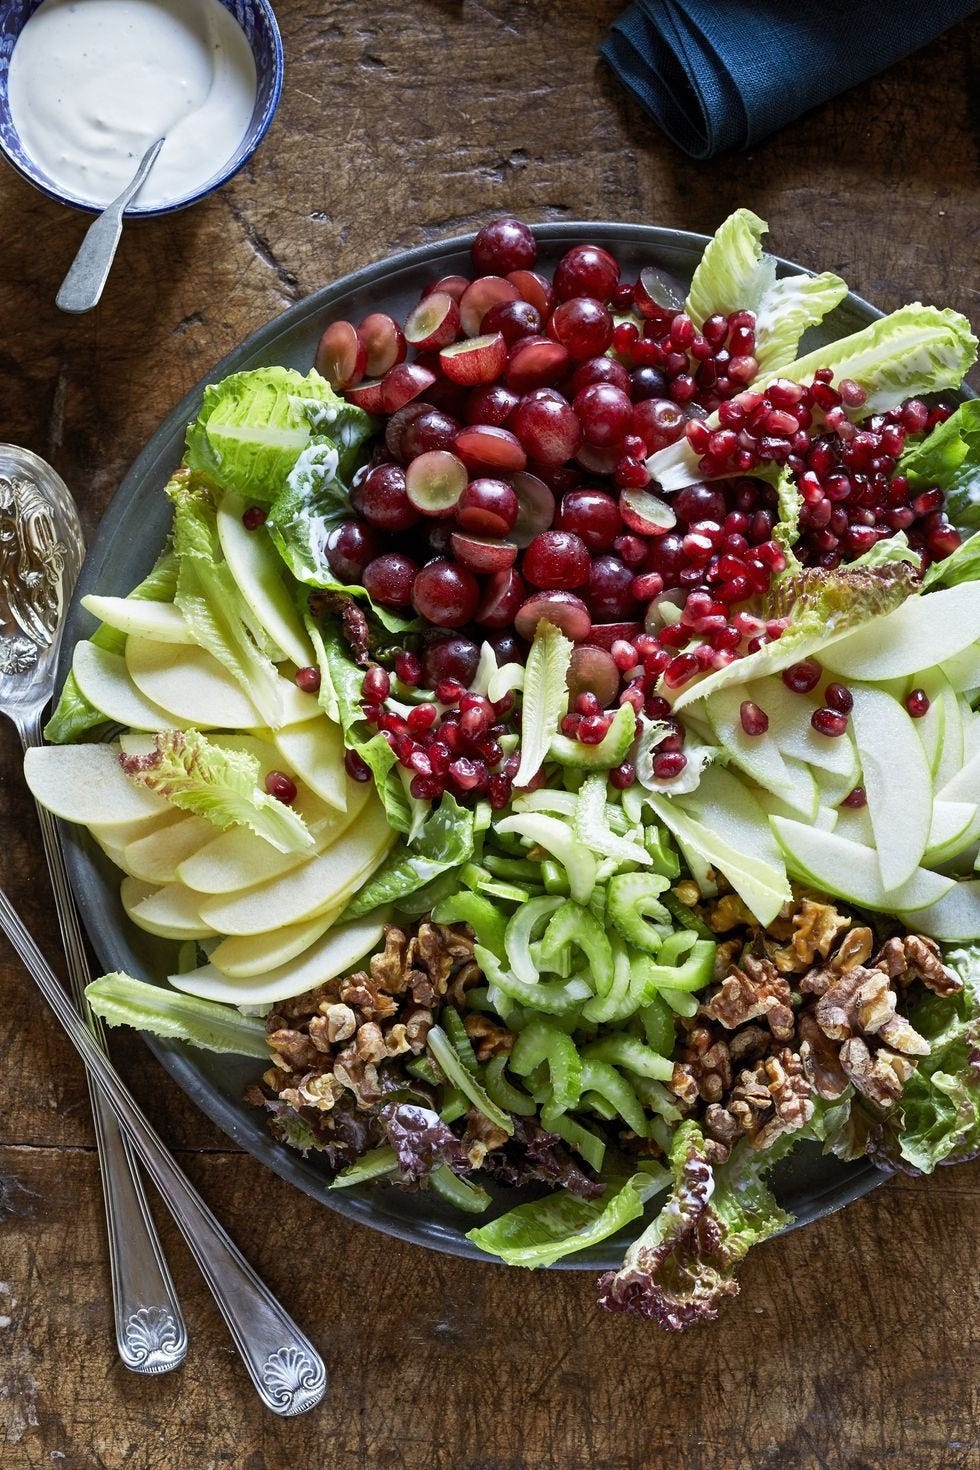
(150, 1331)
(284, 1366)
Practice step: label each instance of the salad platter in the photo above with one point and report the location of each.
(626, 826)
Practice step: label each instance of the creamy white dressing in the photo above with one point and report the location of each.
(94, 82)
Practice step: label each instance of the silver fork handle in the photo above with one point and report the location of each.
(284, 1366)
(150, 1333)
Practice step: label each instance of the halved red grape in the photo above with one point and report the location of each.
(604, 635)
(583, 325)
(535, 362)
(491, 405)
(381, 498)
(453, 286)
(586, 270)
(341, 356)
(404, 382)
(396, 428)
(433, 323)
(503, 595)
(434, 481)
(479, 296)
(367, 395)
(479, 360)
(597, 461)
(483, 553)
(568, 613)
(487, 507)
(535, 288)
(389, 579)
(536, 508)
(504, 245)
(547, 426)
(645, 513)
(556, 560)
(591, 514)
(445, 594)
(592, 670)
(384, 343)
(481, 446)
(657, 295)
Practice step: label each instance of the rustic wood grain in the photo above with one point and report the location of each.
(854, 1343)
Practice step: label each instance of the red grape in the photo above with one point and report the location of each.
(504, 245)
(610, 592)
(547, 426)
(556, 560)
(605, 413)
(591, 514)
(586, 270)
(487, 507)
(350, 546)
(381, 499)
(445, 594)
(583, 325)
(388, 579)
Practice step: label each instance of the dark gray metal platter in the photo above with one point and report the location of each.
(132, 531)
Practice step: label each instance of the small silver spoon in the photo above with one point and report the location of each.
(83, 286)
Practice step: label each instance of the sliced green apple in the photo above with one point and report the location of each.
(124, 833)
(939, 729)
(851, 871)
(157, 857)
(965, 785)
(191, 685)
(761, 885)
(338, 951)
(104, 680)
(308, 889)
(725, 804)
(242, 956)
(758, 755)
(963, 669)
(921, 632)
(257, 569)
(789, 727)
(315, 751)
(85, 783)
(170, 912)
(955, 825)
(954, 918)
(897, 779)
(161, 621)
(854, 823)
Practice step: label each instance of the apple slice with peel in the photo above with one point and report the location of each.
(308, 889)
(171, 912)
(761, 885)
(160, 620)
(955, 826)
(963, 669)
(257, 569)
(854, 823)
(897, 779)
(338, 951)
(156, 858)
(758, 755)
(940, 728)
(723, 802)
(114, 851)
(851, 871)
(86, 784)
(790, 728)
(922, 631)
(242, 956)
(238, 859)
(105, 682)
(124, 833)
(953, 918)
(190, 685)
(315, 751)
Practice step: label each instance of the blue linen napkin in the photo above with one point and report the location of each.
(721, 74)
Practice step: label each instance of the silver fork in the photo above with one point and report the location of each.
(287, 1371)
(41, 551)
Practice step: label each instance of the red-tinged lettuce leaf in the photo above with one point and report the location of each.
(534, 1155)
(682, 1268)
(422, 1141)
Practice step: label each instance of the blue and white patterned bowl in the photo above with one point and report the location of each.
(256, 19)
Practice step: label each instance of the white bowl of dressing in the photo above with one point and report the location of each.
(87, 85)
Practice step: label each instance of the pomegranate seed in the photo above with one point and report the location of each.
(622, 776)
(839, 698)
(802, 677)
(279, 785)
(915, 416)
(657, 707)
(856, 798)
(448, 691)
(680, 669)
(633, 694)
(254, 517)
(624, 654)
(570, 724)
(754, 719)
(917, 703)
(828, 722)
(408, 668)
(593, 728)
(356, 767)
(376, 685)
(669, 764)
(307, 679)
(851, 393)
(625, 336)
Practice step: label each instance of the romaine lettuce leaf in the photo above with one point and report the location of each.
(444, 842)
(546, 1230)
(211, 600)
(122, 1001)
(346, 678)
(735, 274)
(962, 565)
(252, 428)
(917, 349)
(221, 785)
(74, 716)
(682, 1267)
(545, 697)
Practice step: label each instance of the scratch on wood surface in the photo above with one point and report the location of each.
(289, 288)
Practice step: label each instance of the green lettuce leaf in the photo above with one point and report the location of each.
(122, 1001)
(74, 716)
(545, 1230)
(221, 785)
(962, 565)
(444, 842)
(735, 274)
(682, 1268)
(891, 549)
(918, 349)
(345, 679)
(949, 457)
(545, 697)
(253, 426)
(211, 600)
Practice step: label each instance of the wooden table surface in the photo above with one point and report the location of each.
(853, 1343)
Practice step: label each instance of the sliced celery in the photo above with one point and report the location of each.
(459, 1192)
(602, 1077)
(545, 697)
(445, 1055)
(372, 1165)
(611, 750)
(462, 1046)
(617, 1002)
(503, 1092)
(521, 929)
(484, 918)
(628, 1052)
(558, 998)
(539, 1042)
(582, 1140)
(554, 835)
(574, 926)
(633, 900)
(592, 826)
(658, 1024)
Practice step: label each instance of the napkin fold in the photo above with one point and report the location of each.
(722, 74)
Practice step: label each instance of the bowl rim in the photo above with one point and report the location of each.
(229, 170)
(856, 1178)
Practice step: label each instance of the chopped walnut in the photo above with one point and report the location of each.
(338, 1022)
(898, 1034)
(726, 954)
(705, 1068)
(913, 957)
(854, 949)
(790, 1092)
(396, 1040)
(488, 1036)
(879, 1076)
(815, 928)
(749, 1043)
(874, 1002)
(369, 1044)
(730, 913)
(837, 1009)
(318, 1090)
(756, 989)
(687, 893)
(481, 1137)
(293, 1051)
(819, 1055)
(366, 995)
(388, 969)
(719, 1122)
